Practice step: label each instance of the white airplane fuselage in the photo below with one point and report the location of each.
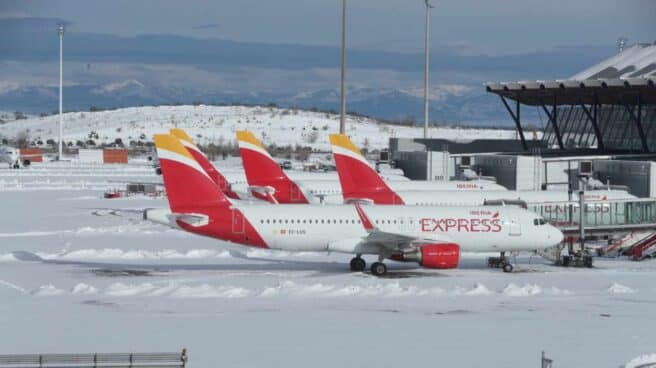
(339, 228)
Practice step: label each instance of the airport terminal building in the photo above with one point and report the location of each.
(604, 116)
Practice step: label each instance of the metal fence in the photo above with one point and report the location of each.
(106, 360)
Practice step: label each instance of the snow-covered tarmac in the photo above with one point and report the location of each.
(78, 277)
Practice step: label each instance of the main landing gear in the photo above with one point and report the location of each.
(377, 268)
(500, 262)
(358, 264)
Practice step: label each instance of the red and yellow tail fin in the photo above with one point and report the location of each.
(263, 171)
(204, 162)
(259, 166)
(189, 188)
(359, 180)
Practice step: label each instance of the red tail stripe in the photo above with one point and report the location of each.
(363, 216)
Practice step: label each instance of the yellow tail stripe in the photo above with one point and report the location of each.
(181, 134)
(171, 143)
(248, 137)
(343, 141)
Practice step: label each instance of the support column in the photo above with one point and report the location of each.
(592, 117)
(553, 119)
(516, 118)
(638, 121)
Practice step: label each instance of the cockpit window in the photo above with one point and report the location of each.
(539, 222)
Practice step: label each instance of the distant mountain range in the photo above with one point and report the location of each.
(465, 106)
(109, 71)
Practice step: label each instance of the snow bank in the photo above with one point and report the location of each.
(526, 290)
(476, 290)
(136, 254)
(9, 257)
(643, 361)
(84, 289)
(121, 289)
(209, 291)
(9, 285)
(292, 289)
(47, 290)
(616, 288)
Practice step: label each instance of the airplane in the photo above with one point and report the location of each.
(264, 174)
(431, 236)
(12, 157)
(360, 182)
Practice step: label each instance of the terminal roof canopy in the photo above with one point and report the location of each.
(623, 78)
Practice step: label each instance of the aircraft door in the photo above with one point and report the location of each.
(514, 228)
(238, 222)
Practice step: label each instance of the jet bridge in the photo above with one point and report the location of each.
(600, 218)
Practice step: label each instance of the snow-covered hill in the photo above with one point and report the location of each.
(218, 124)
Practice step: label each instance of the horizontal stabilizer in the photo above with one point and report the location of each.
(191, 219)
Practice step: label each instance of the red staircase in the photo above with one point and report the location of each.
(637, 250)
(626, 242)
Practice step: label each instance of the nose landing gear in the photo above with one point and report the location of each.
(500, 262)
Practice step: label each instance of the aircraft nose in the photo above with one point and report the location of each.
(555, 236)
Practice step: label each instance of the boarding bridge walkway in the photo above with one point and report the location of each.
(600, 217)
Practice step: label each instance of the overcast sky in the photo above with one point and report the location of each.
(474, 26)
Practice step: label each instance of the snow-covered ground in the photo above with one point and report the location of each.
(76, 276)
(218, 124)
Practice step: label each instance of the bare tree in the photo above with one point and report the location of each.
(23, 139)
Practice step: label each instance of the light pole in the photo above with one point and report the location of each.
(426, 68)
(61, 87)
(342, 110)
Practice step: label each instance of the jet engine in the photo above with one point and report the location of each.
(439, 256)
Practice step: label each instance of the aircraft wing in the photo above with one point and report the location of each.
(395, 241)
(389, 242)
